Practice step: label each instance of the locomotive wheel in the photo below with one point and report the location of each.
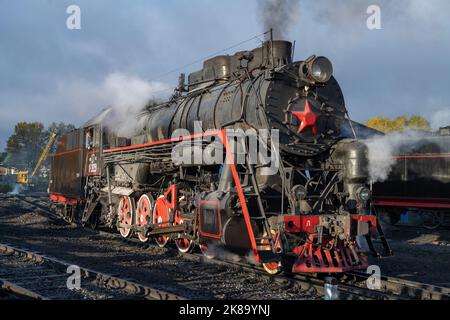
(272, 268)
(208, 253)
(431, 220)
(126, 212)
(184, 245)
(160, 215)
(144, 214)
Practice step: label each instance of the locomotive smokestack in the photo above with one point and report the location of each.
(278, 15)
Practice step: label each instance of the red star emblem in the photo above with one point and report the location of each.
(308, 118)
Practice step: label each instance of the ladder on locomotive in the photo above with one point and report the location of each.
(92, 201)
(252, 191)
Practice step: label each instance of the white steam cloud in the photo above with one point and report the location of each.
(440, 118)
(130, 93)
(127, 96)
(220, 253)
(278, 15)
(383, 149)
(17, 189)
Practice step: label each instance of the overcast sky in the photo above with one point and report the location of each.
(49, 73)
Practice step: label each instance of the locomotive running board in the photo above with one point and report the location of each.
(167, 230)
(156, 231)
(268, 256)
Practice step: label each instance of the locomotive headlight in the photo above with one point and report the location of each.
(317, 69)
(364, 194)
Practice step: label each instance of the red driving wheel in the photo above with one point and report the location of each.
(161, 218)
(270, 267)
(125, 212)
(183, 245)
(144, 214)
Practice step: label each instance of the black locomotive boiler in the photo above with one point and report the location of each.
(302, 210)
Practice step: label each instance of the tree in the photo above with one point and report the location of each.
(399, 124)
(420, 123)
(59, 129)
(29, 139)
(2, 156)
(25, 145)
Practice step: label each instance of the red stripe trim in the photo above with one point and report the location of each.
(223, 137)
(62, 199)
(424, 156)
(412, 204)
(297, 224)
(210, 235)
(67, 152)
(160, 142)
(65, 195)
(411, 198)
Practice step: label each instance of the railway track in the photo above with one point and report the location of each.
(402, 287)
(351, 285)
(29, 275)
(33, 202)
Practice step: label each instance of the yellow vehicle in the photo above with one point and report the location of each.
(22, 176)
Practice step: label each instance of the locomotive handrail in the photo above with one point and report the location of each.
(166, 141)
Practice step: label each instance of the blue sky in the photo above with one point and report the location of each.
(49, 73)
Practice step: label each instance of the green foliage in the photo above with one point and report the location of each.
(60, 128)
(3, 156)
(26, 144)
(399, 124)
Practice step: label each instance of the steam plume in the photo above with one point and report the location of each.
(383, 149)
(278, 15)
(440, 118)
(128, 95)
(125, 94)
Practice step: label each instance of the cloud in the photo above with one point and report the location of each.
(126, 91)
(77, 100)
(126, 94)
(48, 73)
(440, 118)
(346, 13)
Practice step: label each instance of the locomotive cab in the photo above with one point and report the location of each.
(92, 149)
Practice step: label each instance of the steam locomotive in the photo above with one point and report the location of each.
(419, 181)
(303, 207)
